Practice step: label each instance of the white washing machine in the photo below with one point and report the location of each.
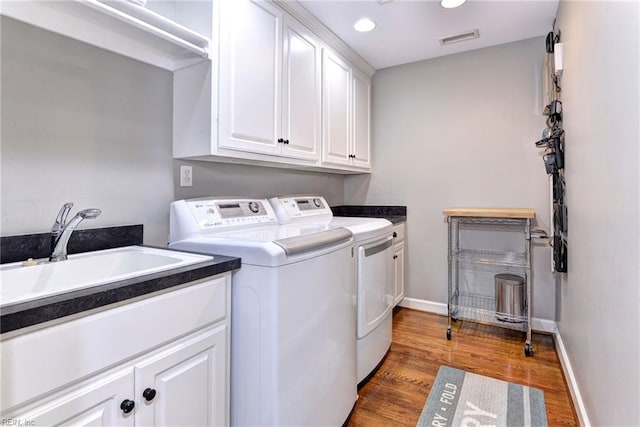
(292, 347)
(374, 267)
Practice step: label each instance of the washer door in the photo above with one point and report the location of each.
(375, 284)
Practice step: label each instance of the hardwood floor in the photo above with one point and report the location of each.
(397, 392)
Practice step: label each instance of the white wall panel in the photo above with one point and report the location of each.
(599, 300)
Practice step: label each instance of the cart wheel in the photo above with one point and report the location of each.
(449, 333)
(528, 351)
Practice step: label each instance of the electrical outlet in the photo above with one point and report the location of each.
(186, 176)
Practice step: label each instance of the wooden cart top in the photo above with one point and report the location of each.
(491, 212)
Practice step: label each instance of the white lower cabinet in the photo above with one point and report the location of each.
(95, 404)
(398, 263)
(185, 384)
(181, 381)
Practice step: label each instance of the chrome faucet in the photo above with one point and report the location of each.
(61, 230)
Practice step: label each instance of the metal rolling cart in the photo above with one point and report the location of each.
(490, 267)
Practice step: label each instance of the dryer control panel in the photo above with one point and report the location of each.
(211, 214)
(193, 216)
(293, 208)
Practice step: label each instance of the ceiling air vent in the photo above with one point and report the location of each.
(467, 35)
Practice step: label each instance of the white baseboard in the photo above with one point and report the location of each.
(581, 411)
(543, 325)
(540, 325)
(424, 305)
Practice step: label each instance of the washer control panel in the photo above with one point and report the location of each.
(213, 214)
(300, 207)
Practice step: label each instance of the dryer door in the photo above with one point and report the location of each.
(375, 284)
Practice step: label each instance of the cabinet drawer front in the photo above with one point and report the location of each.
(86, 345)
(398, 229)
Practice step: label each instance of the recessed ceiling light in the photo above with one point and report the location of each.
(363, 25)
(450, 4)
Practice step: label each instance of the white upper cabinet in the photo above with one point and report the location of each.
(250, 76)
(301, 125)
(178, 36)
(276, 95)
(269, 82)
(336, 93)
(361, 119)
(346, 113)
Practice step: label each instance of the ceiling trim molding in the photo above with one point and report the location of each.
(329, 37)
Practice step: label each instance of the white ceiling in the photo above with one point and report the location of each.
(408, 30)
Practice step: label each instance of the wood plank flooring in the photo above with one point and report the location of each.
(397, 392)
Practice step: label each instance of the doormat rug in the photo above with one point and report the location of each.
(460, 398)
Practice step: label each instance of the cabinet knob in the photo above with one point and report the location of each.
(149, 394)
(281, 141)
(286, 141)
(395, 234)
(395, 257)
(127, 406)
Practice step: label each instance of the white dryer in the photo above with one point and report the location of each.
(292, 348)
(374, 268)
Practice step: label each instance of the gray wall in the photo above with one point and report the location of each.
(459, 131)
(84, 125)
(219, 179)
(599, 302)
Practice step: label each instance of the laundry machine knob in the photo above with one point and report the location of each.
(317, 202)
(254, 207)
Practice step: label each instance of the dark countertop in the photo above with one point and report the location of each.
(394, 219)
(395, 214)
(29, 313)
(22, 315)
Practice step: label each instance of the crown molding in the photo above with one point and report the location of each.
(296, 10)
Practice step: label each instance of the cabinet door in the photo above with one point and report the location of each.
(301, 92)
(250, 76)
(190, 382)
(96, 404)
(398, 272)
(336, 79)
(361, 122)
